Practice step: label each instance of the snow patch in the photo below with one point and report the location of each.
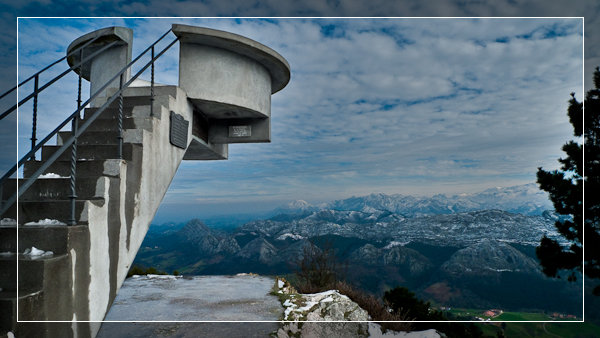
(327, 300)
(280, 283)
(151, 276)
(395, 243)
(46, 221)
(289, 235)
(8, 221)
(35, 252)
(52, 175)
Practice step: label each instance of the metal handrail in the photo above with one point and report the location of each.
(49, 83)
(80, 129)
(50, 66)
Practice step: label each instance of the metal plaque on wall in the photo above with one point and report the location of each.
(179, 130)
(240, 131)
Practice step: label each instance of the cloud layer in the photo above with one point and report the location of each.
(413, 106)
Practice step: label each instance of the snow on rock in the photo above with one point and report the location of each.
(35, 252)
(8, 221)
(247, 274)
(151, 276)
(394, 244)
(46, 221)
(320, 307)
(52, 175)
(289, 235)
(331, 314)
(323, 306)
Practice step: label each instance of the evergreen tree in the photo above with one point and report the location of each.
(581, 167)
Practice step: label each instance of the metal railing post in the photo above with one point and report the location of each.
(152, 85)
(74, 128)
(79, 80)
(120, 118)
(35, 103)
(73, 195)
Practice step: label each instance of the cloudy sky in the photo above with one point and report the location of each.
(411, 106)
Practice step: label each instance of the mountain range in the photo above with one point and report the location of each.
(525, 199)
(465, 250)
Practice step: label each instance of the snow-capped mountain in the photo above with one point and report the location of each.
(295, 207)
(443, 229)
(525, 199)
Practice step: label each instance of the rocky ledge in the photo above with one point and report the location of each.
(329, 314)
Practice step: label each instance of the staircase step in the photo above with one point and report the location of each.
(32, 270)
(141, 111)
(90, 152)
(159, 90)
(44, 237)
(90, 137)
(44, 189)
(34, 211)
(8, 271)
(35, 272)
(87, 168)
(31, 304)
(8, 238)
(128, 123)
(102, 137)
(140, 96)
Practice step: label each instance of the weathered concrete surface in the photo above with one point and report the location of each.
(186, 330)
(199, 298)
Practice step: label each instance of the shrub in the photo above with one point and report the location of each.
(318, 269)
(136, 270)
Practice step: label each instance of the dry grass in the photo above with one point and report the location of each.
(375, 308)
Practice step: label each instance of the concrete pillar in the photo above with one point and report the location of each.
(108, 63)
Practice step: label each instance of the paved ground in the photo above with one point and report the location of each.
(186, 330)
(211, 298)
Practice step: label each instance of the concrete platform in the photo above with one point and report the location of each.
(197, 298)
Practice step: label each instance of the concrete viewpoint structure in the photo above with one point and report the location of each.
(223, 96)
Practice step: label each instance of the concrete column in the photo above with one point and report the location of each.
(105, 65)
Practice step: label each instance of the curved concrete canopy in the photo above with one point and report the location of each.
(106, 35)
(276, 65)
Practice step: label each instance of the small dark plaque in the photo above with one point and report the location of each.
(179, 130)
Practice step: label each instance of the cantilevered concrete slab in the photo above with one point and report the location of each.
(229, 79)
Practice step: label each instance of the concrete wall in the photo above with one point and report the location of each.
(224, 84)
(101, 253)
(107, 64)
(119, 227)
(105, 67)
